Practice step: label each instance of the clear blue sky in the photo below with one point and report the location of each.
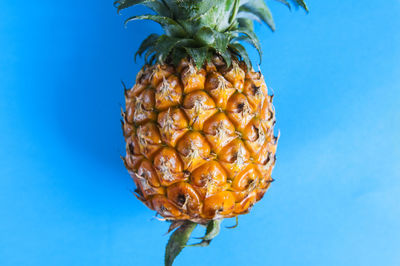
(65, 196)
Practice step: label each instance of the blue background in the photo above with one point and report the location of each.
(65, 196)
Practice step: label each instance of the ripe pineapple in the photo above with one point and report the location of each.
(199, 122)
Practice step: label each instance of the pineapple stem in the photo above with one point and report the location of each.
(177, 241)
(180, 237)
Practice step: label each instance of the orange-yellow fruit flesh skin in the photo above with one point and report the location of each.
(200, 143)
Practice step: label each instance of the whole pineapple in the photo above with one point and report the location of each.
(199, 122)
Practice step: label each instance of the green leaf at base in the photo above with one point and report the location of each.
(236, 224)
(213, 228)
(178, 241)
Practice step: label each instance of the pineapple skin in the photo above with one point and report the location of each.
(200, 143)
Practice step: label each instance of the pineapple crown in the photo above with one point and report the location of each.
(201, 29)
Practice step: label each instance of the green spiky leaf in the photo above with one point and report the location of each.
(122, 4)
(252, 38)
(227, 9)
(261, 10)
(164, 46)
(201, 29)
(178, 241)
(246, 23)
(286, 3)
(178, 54)
(150, 53)
(216, 40)
(157, 6)
(235, 10)
(189, 10)
(301, 3)
(199, 55)
(248, 15)
(240, 51)
(219, 16)
(170, 26)
(206, 36)
(150, 40)
(226, 55)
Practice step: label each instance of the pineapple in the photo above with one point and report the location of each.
(199, 122)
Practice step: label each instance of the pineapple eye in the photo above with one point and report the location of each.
(205, 179)
(257, 132)
(186, 173)
(267, 159)
(233, 157)
(255, 89)
(181, 199)
(270, 115)
(142, 78)
(250, 183)
(145, 175)
(240, 107)
(131, 149)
